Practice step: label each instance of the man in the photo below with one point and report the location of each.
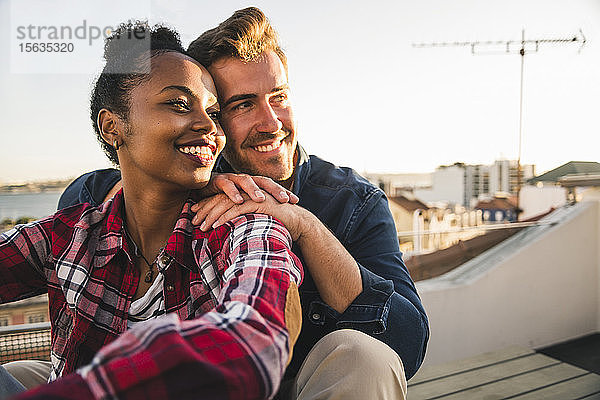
(355, 277)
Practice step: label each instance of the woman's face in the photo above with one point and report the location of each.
(172, 136)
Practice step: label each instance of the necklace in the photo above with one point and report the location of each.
(150, 273)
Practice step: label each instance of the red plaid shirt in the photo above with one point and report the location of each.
(229, 294)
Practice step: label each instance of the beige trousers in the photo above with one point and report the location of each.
(348, 365)
(345, 364)
(30, 373)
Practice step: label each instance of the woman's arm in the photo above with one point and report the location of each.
(24, 251)
(237, 351)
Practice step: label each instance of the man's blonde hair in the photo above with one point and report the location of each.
(245, 35)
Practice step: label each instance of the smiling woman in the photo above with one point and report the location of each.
(230, 290)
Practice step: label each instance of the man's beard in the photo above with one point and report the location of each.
(278, 168)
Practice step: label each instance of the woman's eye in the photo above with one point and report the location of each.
(179, 104)
(214, 115)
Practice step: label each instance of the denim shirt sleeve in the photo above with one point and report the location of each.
(91, 187)
(389, 307)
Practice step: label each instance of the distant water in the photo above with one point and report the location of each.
(37, 205)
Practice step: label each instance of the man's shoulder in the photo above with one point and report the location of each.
(90, 187)
(81, 216)
(329, 178)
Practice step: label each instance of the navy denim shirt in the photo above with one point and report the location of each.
(357, 212)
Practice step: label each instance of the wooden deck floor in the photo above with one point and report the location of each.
(513, 373)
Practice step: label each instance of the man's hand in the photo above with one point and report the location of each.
(216, 210)
(230, 184)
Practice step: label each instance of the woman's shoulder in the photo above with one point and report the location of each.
(83, 215)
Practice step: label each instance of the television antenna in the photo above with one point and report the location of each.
(520, 47)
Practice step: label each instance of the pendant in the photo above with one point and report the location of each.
(149, 276)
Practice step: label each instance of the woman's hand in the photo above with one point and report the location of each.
(230, 184)
(214, 211)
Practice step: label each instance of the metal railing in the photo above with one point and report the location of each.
(484, 227)
(25, 342)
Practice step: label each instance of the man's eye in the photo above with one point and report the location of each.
(278, 98)
(243, 105)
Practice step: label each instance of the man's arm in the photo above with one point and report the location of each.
(98, 186)
(386, 305)
(238, 351)
(334, 270)
(394, 313)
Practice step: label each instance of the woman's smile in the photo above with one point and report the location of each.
(203, 153)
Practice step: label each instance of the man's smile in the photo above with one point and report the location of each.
(265, 148)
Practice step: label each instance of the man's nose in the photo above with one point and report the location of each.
(268, 119)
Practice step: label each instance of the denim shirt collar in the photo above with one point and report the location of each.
(302, 169)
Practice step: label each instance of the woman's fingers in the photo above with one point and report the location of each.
(229, 188)
(247, 184)
(270, 207)
(255, 187)
(276, 190)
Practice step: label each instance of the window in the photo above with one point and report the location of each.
(34, 318)
(4, 320)
(499, 216)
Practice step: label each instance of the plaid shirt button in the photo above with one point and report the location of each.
(170, 288)
(163, 261)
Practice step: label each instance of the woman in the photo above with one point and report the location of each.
(113, 271)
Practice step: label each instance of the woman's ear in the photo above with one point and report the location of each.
(110, 127)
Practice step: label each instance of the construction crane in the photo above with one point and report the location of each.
(521, 47)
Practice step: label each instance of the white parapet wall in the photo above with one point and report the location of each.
(537, 288)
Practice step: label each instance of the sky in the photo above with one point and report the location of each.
(363, 96)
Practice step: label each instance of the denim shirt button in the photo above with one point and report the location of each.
(316, 316)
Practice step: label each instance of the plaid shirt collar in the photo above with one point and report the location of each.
(112, 234)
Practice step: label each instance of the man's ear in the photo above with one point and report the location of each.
(110, 126)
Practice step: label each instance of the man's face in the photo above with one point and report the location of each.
(256, 115)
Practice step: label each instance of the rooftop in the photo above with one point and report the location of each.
(430, 265)
(40, 299)
(512, 373)
(521, 319)
(570, 168)
(496, 203)
(409, 204)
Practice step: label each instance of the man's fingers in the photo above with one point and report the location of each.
(204, 206)
(215, 212)
(233, 212)
(204, 202)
